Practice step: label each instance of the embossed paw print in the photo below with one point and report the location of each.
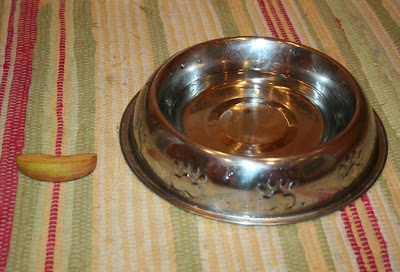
(188, 179)
(351, 165)
(277, 183)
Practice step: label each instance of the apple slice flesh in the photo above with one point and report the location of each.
(56, 168)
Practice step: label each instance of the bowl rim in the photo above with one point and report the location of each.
(361, 104)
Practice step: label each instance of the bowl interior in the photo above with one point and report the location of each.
(256, 96)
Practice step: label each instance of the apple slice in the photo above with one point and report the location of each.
(56, 168)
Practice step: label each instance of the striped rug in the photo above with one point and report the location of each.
(68, 69)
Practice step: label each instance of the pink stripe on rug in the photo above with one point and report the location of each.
(288, 21)
(267, 19)
(8, 51)
(361, 233)
(13, 139)
(51, 237)
(375, 225)
(350, 236)
(277, 20)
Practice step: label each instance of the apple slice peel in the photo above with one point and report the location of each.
(47, 167)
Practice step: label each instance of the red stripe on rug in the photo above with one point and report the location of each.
(267, 19)
(361, 234)
(350, 236)
(13, 138)
(288, 22)
(8, 51)
(51, 237)
(375, 225)
(277, 20)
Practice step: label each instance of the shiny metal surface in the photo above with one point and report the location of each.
(254, 131)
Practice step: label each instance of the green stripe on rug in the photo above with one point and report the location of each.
(292, 249)
(386, 20)
(156, 31)
(2, 13)
(185, 230)
(84, 48)
(326, 251)
(223, 11)
(27, 225)
(390, 198)
(244, 6)
(186, 238)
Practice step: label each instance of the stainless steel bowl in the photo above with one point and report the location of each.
(254, 130)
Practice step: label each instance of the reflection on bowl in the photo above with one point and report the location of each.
(254, 130)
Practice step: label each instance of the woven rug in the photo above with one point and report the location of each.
(68, 69)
